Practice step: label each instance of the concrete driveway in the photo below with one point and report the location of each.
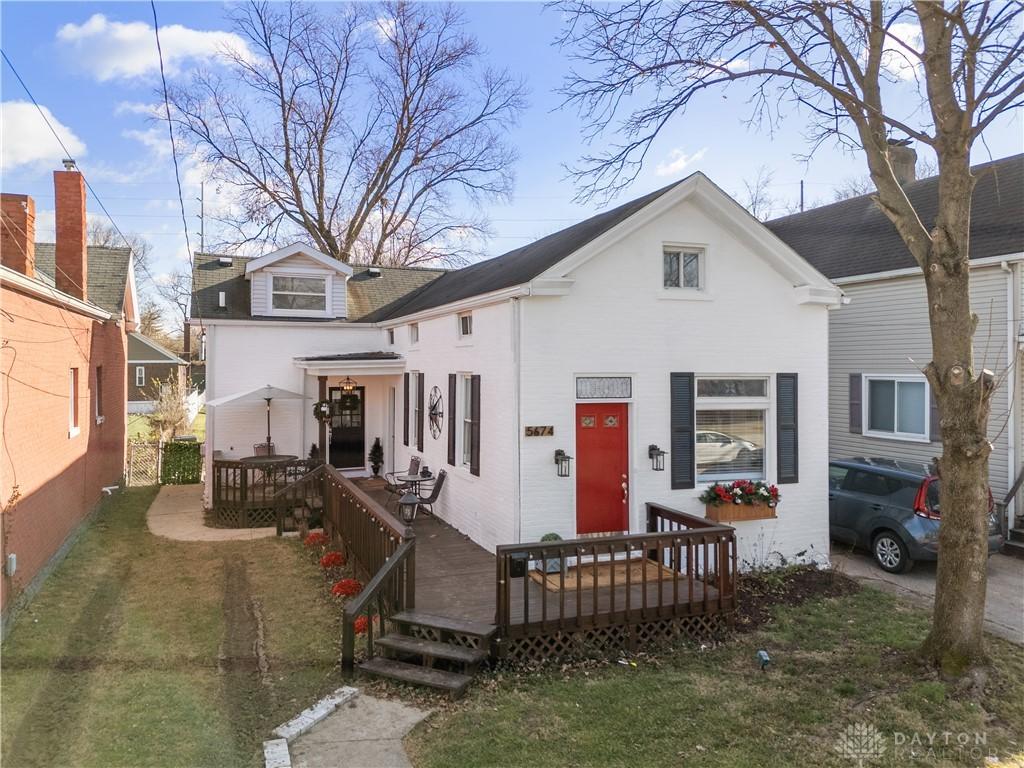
(1004, 605)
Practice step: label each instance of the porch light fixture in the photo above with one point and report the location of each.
(348, 385)
(562, 460)
(407, 506)
(657, 457)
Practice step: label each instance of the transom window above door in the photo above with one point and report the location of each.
(683, 267)
(299, 294)
(896, 407)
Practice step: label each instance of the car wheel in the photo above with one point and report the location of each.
(891, 553)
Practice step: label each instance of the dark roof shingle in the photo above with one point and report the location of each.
(853, 237)
(107, 273)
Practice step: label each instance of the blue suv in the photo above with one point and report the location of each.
(891, 508)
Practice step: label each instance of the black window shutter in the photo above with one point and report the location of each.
(453, 382)
(405, 409)
(682, 448)
(856, 406)
(419, 402)
(934, 422)
(786, 432)
(474, 414)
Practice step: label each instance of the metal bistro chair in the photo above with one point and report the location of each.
(394, 486)
(435, 491)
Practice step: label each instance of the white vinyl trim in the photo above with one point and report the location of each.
(865, 403)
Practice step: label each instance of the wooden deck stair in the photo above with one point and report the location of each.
(410, 656)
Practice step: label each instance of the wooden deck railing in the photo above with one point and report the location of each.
(683, 566)
(244, 494)
(381, 547)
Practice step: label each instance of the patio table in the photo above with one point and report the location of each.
(277, 458)
(414, 481)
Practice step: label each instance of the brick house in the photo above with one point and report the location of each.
(151, 366)
(66, 312)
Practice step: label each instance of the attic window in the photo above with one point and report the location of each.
(300, 293)
(684, 267)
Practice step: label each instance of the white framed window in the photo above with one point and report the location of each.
(414, 333)
(299, 294)
(732, 427)
(391, 336)
(466, 409)
(895, 406)
(73, 428)
(683, 267)
(465, 324)
(140, 375)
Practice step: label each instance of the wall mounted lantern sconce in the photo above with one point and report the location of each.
(657, 457)
(562, 460)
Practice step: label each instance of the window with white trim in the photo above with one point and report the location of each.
(683, 267)
(731, 427)
(294, 293)
(73, 402)
(140, 375)
(895, 407)
(414, 332)
(466, 389)
(465, 325)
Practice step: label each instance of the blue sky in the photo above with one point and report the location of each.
(93, 76)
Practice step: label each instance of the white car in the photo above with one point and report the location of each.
(720, 448)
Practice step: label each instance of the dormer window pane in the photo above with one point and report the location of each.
(300, 293)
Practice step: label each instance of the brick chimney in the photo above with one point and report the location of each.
(69, 210)
(903, 159)
(18, 233)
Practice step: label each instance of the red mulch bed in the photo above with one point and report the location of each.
(759, 593)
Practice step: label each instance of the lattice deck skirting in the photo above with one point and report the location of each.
(604, 639)
(233, 517)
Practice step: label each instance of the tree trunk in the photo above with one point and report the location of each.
(963, 394)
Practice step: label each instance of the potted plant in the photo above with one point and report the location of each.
(740, 500)
(376, 456)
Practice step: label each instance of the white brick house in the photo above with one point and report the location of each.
(676, 320)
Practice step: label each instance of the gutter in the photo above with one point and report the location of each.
(870, 277)
(16, 280)
(1013, 277)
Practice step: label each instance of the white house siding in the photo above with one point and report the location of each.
(616, 321)
(481, 507)
(884, 329)
(259, 294)
(244, 356)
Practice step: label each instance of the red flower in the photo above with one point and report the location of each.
(315, 540)
(332, 560)
(346, 588)
(362, 624)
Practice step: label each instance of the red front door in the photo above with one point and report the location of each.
(602, 467)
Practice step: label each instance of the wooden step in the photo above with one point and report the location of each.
(432, 649)
(445, 624)
(453, 682)
(1013, 549)
(1016, 534)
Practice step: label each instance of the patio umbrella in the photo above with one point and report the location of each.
(266, 392)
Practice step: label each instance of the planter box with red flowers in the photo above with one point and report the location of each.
(740, 500)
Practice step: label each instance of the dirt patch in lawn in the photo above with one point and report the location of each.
(760, 592)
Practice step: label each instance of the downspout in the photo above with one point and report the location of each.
(211, 418)
(1012, 322)
(517, 339)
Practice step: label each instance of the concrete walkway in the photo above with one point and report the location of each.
(366, 732)
(1004, 603)
(177, 513)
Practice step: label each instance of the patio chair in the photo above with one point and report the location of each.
(435, 491)
(394, 486)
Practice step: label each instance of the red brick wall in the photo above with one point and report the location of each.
(59, 478)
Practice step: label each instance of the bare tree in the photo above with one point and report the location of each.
(169, 416)
(850, 67)
(360, 130)
(175, 290)
(100, 233)
(856, 186)
(757, 194)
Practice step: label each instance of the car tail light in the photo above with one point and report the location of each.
(922, 508)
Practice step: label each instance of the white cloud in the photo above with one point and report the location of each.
(154, 139)
(678, 160)
(123, 50)
(28, 143)
(897, 60)
(138, 108)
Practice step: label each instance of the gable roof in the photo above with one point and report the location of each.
(366, 293)
(516, 266)
(144, 348)
(108, 273)
(853, 237)
(324, 260)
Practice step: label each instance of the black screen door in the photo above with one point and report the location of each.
(348, 442)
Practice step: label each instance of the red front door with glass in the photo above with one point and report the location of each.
(602, 468)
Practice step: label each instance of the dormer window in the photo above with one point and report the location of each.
(302, 294)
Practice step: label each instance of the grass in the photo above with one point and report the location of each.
(139, 429)
(835, 663)
(139, 650)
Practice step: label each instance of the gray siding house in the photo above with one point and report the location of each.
(879, 401)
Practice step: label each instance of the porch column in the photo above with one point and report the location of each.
(322, 437)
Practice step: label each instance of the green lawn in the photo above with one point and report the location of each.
(138, 427)
(836, 663)
(139, 651)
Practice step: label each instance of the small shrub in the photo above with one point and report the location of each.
(332, 560)
(362, 624)
(346, 588)
(314, 540)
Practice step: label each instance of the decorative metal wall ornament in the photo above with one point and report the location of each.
(435, 408)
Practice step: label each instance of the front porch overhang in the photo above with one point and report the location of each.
(353, 364)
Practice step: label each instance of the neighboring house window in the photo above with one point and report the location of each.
(414, 332)
(896, 406)
(299, 294)
(99, 394)
(73, 402)
(731, 420)
(467, 419)
(140, 375)
(466, 324)
(683, 267)
(391, 336)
